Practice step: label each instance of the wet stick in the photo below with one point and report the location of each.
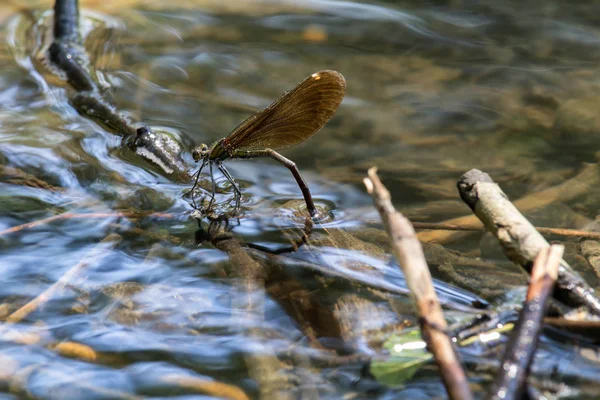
(263, 364)
(576, 233)
(409, 254)
(293, 118)
(519, 239)
(199, 385)
(68, 59)
(514, 368)
(68, 215)
(97, 253)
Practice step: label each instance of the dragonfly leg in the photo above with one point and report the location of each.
(196, 184)
(214, 185)
(236, 188)
(310, 205)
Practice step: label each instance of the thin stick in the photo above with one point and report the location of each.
(68, 215)
(94, 255)
(409, 254)
(199, 385)
(519, 239)
(478, 228)
(514, 368)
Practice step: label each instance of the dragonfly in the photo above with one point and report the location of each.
(293, 118)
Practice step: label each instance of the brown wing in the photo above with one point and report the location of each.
(294, 117)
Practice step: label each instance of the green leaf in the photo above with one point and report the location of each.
(407, 355)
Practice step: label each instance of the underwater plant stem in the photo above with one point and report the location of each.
(409, 253)
(69, 215)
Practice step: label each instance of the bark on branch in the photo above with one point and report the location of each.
(409, 253)
(514, 368)
(68, 57)
(519, 239)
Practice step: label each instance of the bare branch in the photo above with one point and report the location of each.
(511, 377)
(518, 237)
(409, 253)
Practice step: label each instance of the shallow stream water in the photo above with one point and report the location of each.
(433, 90)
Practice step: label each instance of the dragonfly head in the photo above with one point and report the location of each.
(200, 152)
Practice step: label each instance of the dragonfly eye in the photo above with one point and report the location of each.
(200, 152)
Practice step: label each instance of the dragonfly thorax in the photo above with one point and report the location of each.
(219, 151)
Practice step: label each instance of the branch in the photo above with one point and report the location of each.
(519, 239)
(514, 368)
(68, 57)
(409, 254)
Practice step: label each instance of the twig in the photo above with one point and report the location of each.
(67, 55)
(263, 365)
(511, 376)
(17, 176)
(478, 228)
(409, 254)
(68, 215)
(96, 253)
(58, 381)
(212, 388)
(578, 185)
(519, 239)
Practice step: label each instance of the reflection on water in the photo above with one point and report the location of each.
(434, 89)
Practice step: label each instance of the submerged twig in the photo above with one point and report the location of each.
(203, 386)
(441, 226)
(263, 365)
(69, 59)
(570, 189)
(409, 254)
(69, 215)
(519, 239)
(17, 176)
(97, 252)
(511, 376)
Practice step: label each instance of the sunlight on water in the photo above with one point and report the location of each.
(433, 89)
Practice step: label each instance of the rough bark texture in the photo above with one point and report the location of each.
(519, 239)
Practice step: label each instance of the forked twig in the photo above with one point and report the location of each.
(578, 185)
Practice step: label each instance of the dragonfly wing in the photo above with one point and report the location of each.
(296, 116)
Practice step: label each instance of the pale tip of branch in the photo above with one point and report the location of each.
(555, 255)
(368, 185)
